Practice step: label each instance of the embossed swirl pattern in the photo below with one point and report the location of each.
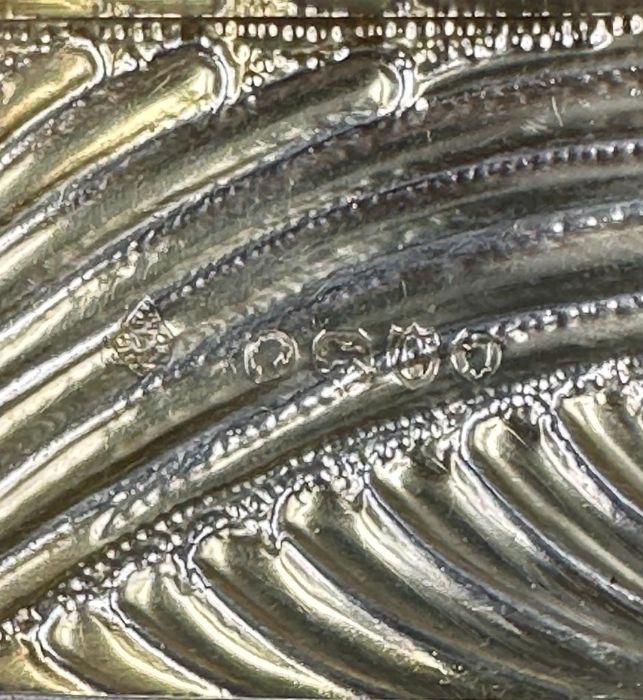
(332, 389)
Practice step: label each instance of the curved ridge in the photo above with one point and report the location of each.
(437, 471)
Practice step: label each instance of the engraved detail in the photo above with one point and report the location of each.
(413, 354)
(247, 543)
(342, 350)
(270, 356)
(143, 342)
(475, 355)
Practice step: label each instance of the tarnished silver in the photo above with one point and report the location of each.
(320, 349)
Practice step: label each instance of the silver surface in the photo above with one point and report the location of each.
(320, 351)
